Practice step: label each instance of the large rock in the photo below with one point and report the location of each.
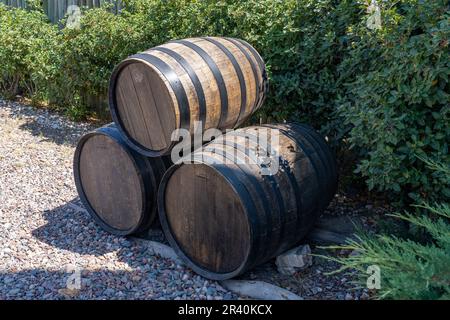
(160, 249)
(259, 290)
(294, 260)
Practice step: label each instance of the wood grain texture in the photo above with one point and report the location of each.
(279, 209)
(144, 106)
(116, 184)
(107, 172)
(222, 81)
(198, 218)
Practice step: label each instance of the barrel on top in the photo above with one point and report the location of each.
(116, 184)
(228, 212)
(218, 81)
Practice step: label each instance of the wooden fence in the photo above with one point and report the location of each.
(15, 3)
(57, 9)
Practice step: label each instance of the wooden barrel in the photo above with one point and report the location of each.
(223, 216)
(218, 81)
(117, 185)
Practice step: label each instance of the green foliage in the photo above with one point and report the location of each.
(382, 93)
(88, 54)
(302, 43)
(27, 44)
(409, 269)
(398, 107)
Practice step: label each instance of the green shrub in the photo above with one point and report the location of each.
(397, 106)
(28, 43)
(410, 268)
(302, 43)
(88, 55)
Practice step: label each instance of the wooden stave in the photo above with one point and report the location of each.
(324, 152)
(174, 244)
(183, 107)
(255, 257)
(263, 220)
(148, 181)
(284, 240)
(272, 181)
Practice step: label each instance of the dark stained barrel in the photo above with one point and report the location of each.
(117, 185)
(218, 81)
(227, 211)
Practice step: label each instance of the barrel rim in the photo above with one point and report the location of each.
(79, 185)
(264, 90)
(130, 141)
(173, 242)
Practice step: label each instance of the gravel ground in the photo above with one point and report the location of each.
(44, 235)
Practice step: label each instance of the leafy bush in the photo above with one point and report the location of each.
(28, 43)
(88, 55)
(398, 106)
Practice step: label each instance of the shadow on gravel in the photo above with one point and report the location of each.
(69, 227)
(72, 229)
(49, 134)
(39, 284)
(50, 126)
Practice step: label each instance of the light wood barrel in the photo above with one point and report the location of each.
(117, 185)
(224, 217)
(218, 81)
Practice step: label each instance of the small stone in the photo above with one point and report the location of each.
(344, 252)
(294, 260)
(8, 280)
(316, 290)
(108, 292)
(69, 293)
(136, 278)
(13, 292)
(348, 296)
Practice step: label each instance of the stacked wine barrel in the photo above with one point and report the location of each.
(116, 184)
(223, 208)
